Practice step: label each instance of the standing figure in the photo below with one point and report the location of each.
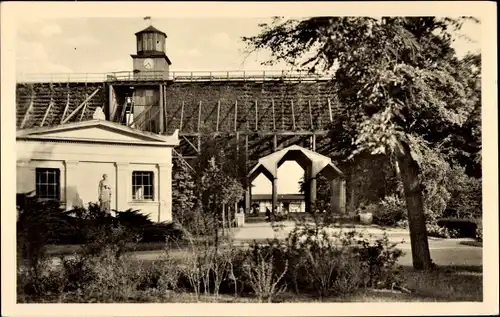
(268, 214)
(105, 194)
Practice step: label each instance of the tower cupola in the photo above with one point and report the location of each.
(150, 56)
(151, 41)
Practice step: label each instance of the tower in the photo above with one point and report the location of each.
(139, 101)
(151, 61)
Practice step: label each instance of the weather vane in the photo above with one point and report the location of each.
(148, 18)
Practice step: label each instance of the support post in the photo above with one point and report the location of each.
(111, 103)
(330, 110)
(312, 194)
(84, 108)
(248, 198)
(27, 114)
(162, 111)
(81, 105)
(199, 116)
(275, 143)
(275, 193)
(293, 117)
(66, 107)
(338, 200)
(311, 116)
(314, 142)
(238, 144)
(165, 108)
(223, 220)
(182, 116)
(274, 117)
(256, 116)
(236, 115)
(48, 108)
(218, 113)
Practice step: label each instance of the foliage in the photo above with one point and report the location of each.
(402, 88)
(435, 230)
(461, 228)
(479, 233)
(36, 223)
(262, 278)
(390, 211)
(183, 194)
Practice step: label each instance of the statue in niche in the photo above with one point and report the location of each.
(105, 194)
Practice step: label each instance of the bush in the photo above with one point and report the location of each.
(461, 228)
(390, 211)
(479, 233)
(331, 263)
(261, 276)
(435, 230)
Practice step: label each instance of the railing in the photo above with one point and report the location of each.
(179, 76)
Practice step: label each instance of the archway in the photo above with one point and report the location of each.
(313, 164)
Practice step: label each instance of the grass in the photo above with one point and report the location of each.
(447, 283)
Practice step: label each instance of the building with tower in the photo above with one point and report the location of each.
(152, 107)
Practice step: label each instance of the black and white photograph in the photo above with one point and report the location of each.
(261, 157)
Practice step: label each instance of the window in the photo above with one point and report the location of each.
(48, 183)
(142, 185)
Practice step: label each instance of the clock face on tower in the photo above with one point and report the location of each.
(148, 63)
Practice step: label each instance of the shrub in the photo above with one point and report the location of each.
(37, 220)
(261, 276)
(435, 230)
(379, 261)
(390, 211)
(461, 228)
(479, 233)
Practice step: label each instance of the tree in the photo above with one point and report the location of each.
(183, 193)
(398, 86)
(220, 176)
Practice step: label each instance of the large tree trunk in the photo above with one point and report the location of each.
(408, 169)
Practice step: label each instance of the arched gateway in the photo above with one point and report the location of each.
(313, 164)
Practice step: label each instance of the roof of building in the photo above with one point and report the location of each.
(57, 133)
(269, 164)
(256, 197)
(151, 29)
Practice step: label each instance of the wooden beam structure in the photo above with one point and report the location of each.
(162, 122)
(235, 115)
(274, 117)
(330, 110)
(48, 108)
(218, 114)
(259, 133)
(165, 107)
(84, 108)
(27, 113)
(191, 144)
(66, 107)
(182, 116)
(199, 116)
(256, 116)
(81, 105)
(310, 115)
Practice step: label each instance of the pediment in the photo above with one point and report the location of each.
(97, 131)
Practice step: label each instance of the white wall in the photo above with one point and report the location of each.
(82, 165)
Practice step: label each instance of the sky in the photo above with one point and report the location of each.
(100, 45)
